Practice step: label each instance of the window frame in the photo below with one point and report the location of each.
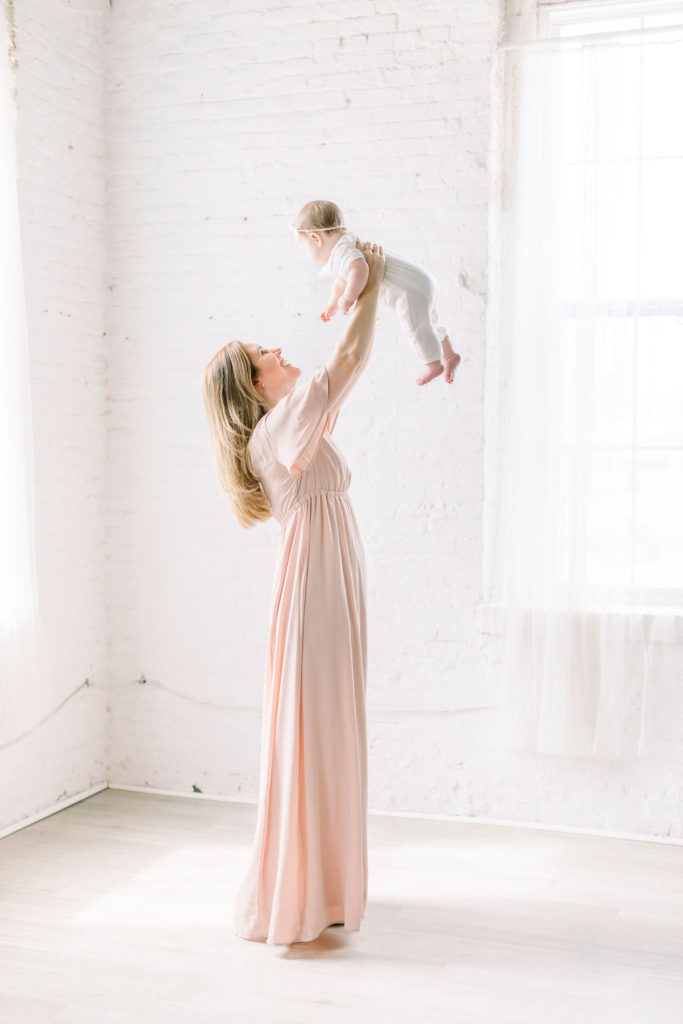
(553, 15)
(545, 19)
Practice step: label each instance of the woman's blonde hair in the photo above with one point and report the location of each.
(319, 215)
(234, 407)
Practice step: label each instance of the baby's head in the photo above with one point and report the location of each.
(317, 228)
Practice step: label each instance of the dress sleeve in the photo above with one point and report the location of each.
(296, 424)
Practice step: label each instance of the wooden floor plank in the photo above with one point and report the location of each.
(119, 909)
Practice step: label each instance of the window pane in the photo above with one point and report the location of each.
(662, 218)
(608, 515)
(598, 389)
(598, 499)
(660, 382)
(613, 390)
(588, 26)
(597, 503)
(662, 89)
(601, 95)
(659, 519)
(616, 235)
(598, 245)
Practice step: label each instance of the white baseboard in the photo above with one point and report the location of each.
(47, 811)
(634, 837)
(175, 792)
(463, 819)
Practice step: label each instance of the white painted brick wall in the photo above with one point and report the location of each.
(221, 120)
(222, 124)
(61, 155)
(224, 120)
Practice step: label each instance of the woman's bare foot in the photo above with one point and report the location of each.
(431, 371)
(450, 360)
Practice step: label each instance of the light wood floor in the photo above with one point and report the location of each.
(118, 909)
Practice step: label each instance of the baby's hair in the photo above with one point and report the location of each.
(319, 215)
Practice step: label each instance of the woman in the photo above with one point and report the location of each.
(275, 455)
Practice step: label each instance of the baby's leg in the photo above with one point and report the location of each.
(414, 316)
(431, 370)
(450, 358)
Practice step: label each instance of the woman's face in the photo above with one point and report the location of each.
(275, 376)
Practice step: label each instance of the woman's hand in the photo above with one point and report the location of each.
(374, 255)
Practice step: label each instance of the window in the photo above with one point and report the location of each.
(619, 281)
(584, 488)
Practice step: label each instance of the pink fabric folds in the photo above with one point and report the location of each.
(308, 863)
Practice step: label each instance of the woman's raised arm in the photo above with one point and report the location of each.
(353, 349)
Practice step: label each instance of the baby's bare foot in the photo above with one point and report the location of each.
(450, 359)
(430, 371)
(450, 365)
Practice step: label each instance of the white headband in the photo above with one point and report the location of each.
(310, 231)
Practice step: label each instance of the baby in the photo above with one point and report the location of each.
(409, 289)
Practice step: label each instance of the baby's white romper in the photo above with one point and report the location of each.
(407, 288)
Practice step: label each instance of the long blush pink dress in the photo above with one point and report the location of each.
(308, 863)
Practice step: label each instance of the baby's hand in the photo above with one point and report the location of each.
(328, 313)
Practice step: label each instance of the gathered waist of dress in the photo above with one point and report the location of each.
(311, 494)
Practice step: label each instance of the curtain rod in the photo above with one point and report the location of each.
(592, 38)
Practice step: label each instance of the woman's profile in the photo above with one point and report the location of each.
(275, 456)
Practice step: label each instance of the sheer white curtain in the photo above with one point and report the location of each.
(587, 564)
(26, 685)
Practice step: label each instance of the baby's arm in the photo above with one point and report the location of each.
(356, 279)
(336, 292)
